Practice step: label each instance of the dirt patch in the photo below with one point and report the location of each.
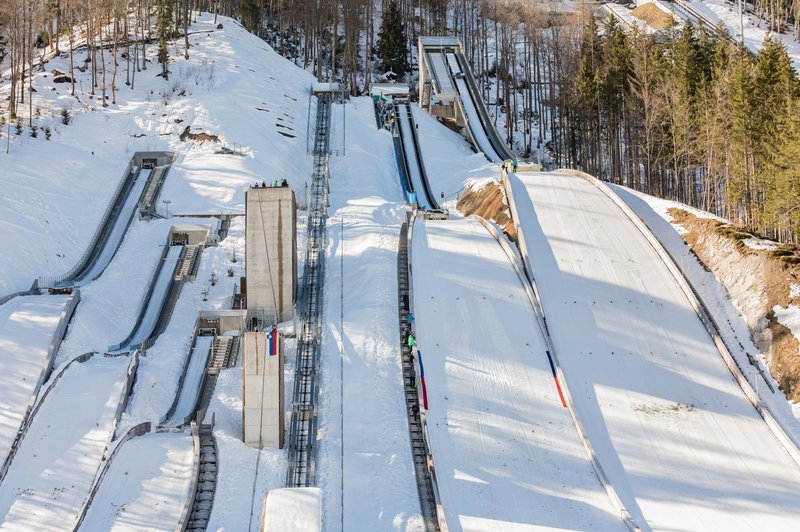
(757, 281)
(489, 202)
(655, 17)
(199, 137)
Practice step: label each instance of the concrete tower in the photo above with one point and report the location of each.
(271, 253)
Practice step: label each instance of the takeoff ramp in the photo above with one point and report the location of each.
(675, 433)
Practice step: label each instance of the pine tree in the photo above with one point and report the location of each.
(392, 45)
(163, 27)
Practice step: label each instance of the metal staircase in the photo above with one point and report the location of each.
(419, 448)
(303, 428)
(206, 481)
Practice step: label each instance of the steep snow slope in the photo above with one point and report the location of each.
(233, 86)
(679, 441)
(507, 454)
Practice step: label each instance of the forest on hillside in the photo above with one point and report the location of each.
(692, 117)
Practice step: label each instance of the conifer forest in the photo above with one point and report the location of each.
(689, 114)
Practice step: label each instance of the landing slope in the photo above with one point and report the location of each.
(678, 439)
(506, 452)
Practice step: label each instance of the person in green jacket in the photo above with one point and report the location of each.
(411, 341)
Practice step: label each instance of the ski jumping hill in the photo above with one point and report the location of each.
(679, 440)
(506, 451)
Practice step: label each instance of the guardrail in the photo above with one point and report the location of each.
(50, 282)
(32, 291)
(533, 292)
(137, 430)
(186, 513)
(29, 417)
(440, 516)
(783, 436)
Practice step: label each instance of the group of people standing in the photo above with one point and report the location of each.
(510, 165)
(283, 183)
(410, 340)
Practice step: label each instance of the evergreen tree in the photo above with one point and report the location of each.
(163, 30)
(392, 45)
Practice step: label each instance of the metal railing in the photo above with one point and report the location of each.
(303, 429)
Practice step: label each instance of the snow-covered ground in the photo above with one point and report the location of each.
(364, 462)
(146, 486)
(733, 325)
(53, 470)
(27, 325)
(755, 29)
(679, 441)
(507, 454)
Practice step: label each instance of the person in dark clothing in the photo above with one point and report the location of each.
(414, 410)
(284, 183)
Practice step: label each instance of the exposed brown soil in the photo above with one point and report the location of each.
(199, 137)
(721, 249)
(489, 202)
(654, 16)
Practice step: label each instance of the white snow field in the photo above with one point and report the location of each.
(57, 460)
(507, 454)
(146, 486)
(361, 402)
(118, 230)
(679, 441)
(27, 325)
(190, 388)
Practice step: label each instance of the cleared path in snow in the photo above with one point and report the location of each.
(57, 460)
(507, 454)
(679, 441)
(146, 486)
(27, 325)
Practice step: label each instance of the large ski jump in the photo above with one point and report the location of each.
(678, 439)
(506, 451)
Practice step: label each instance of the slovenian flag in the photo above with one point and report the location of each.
(422, 381)
(272, 341)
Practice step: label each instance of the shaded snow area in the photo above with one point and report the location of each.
(146, 486)
(507, 454)
(233, 86)
(733, 325)
(27, 325)
(53, 470)
(679, 441)
(364, 463)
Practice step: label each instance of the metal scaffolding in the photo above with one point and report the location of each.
(303, 428)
